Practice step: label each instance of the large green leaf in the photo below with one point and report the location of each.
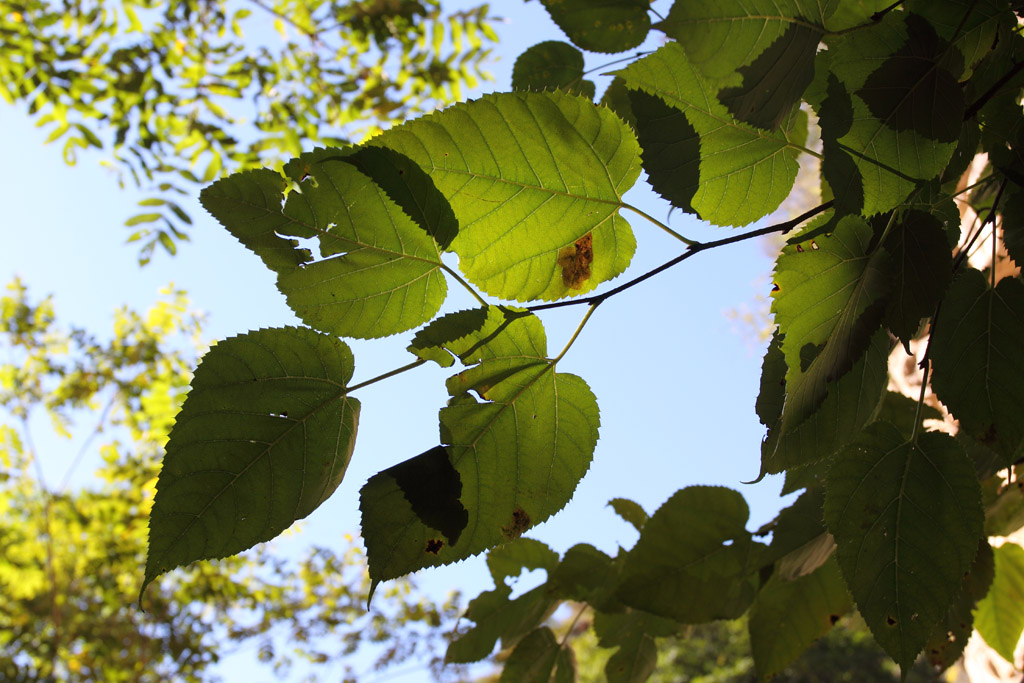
(551, 65)
(762, 50)
(538, 658)
(263, 438)
(907, 518)
(787, 616)
(633, 633)
(744, 172)
(1000, 616)
(536, 182)
(694, 561)
(971, 24)
(602, 25)
(380, 272)
(894, 143)
(517, 452)
(978, 368)
(828, 301)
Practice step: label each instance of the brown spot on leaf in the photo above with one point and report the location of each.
(889, 620)
(775, 287)
(833, 618)
(434, 546)
(575, 260)
(520, 523)
(799, 248)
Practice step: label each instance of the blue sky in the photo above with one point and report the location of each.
(675, 378)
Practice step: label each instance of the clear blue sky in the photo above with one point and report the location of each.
(675, 379)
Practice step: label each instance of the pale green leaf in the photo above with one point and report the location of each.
(828, 302)
(1000, 616)
(744, 172)
(907, 518)
(536, 182)
(694, 561)
(787, 616)
(264, 437)
(978, 367)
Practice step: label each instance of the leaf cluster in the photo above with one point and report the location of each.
(917, 106)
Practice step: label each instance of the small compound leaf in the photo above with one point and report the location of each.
(788, 616)
(602, 25)
(947, 642)
(630, 511)
(829, 299)
(264, 437)
(745, 172)
(904, 91)
(907, 519)
(978, 367)
(534, 658)
(774, 82)
(527, 175)
(551, 65)
(694, 561)
(922, 266)
(633, 633)
(1000, 616)
(670, 148)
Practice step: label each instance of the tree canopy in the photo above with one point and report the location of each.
(912, 249)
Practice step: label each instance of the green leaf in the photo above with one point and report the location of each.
(922, 266)
(1000, 616)
(630, 511)
(263, 438)
(473, 335)
(379, 274)
(891, 141)
(524, 553)
(695, 561)
(551, 65)
(633, 633)
(670, 148)
(536, 182)
(900, 411)
(946, 644)
(602, 25)
(534, 658)
(787, 616)
(1013, 227)
(800, 542)
(972, 25)
(828, 300)
(519, 451)
(496, 617)
(978, 372)
(586, 574)
(763, 50)
(744, 172)
(851, 402)
(907, 519)
(141, 218)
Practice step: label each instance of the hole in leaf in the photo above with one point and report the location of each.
(800, 248)
(890, 621)
(520, 523)
(434, 546)
(833, 618)
(575, 260)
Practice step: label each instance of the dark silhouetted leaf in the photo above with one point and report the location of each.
(670, 148)
(976, 355)
(949, 639)
(551, 65)
(907, 518)
(630, 511)
(602, 25)
(534, 658)
(264, 437)
(922, 267)
(633, 632)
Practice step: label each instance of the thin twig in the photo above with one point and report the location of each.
(976, 106)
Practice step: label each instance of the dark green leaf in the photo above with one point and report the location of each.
(745, 172)
(670, 148)
(922, 267)
(972, 25)
(536, 182)
(602, 25)
(899, 411)
(978, 371)
(695, 561)
(586, 574)
(633, 632)
(534, 658)
(496, 617)
(787, 616)
(263, 438)
(800, 542)
(630, 511)
(828, 301)
(616, 98)
(948, 641)
(551, 65)
(907, 519)
(1013, 227)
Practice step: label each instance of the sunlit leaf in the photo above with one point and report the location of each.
(536, 182)
(1000, 616)
(602, 25)
(263, 438)
(907, 518)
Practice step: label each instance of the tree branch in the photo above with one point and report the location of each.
(693, 249)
